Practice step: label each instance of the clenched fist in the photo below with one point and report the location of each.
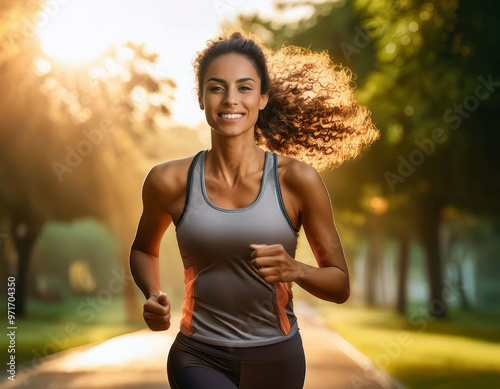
(157, 312)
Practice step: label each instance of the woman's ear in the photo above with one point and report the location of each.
(202, 107)
(263, 101)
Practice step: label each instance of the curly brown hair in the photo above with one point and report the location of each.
(311, 114)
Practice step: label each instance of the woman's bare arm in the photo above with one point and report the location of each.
(330, 281)
(154, 221)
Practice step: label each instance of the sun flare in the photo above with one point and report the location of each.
(79, 30)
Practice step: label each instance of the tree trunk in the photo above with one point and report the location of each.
(373, 266)
(464, 301)
(24, 234)
(403, 262)
(458, 283)
(4, 265)
(429, 231)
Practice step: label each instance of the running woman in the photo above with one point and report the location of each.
(274, 117)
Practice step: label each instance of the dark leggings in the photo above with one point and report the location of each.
(195, 365)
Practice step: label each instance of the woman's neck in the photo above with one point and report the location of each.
(230, 161)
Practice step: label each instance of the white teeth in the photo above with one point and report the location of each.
(232, 116)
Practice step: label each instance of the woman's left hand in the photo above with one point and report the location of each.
(274, 263)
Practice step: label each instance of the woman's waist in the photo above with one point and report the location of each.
(268, 348)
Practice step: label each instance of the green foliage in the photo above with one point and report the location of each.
(428, 71)
(421, 66)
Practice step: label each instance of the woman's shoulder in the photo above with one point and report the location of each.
(298, 182)
(170, 177)
(173, 166)
(294, 170)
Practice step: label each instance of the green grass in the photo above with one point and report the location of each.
(462, 351)
(54, 327)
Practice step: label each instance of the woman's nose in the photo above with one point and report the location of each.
(230, 98)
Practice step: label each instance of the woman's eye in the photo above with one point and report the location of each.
(217, 88)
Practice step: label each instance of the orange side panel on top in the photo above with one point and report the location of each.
(283, 294)
(188, 300)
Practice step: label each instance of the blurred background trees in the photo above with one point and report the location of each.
(73, 141)
(429, 73)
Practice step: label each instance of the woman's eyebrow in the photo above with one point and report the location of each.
(223, 81)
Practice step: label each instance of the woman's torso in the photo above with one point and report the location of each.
(227, 302)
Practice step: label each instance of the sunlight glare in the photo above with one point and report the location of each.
(132, 350)
(77, 31)
(80, 31)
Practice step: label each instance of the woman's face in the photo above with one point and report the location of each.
(231, 95)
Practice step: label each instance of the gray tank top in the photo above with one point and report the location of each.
(226, 302)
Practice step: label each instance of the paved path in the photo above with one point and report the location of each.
(138, 361)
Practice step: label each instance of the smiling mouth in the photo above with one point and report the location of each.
(231, 116)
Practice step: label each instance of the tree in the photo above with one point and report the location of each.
(428, 72)
(73, 139)
(434, 64)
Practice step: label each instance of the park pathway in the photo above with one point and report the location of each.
(138, 360)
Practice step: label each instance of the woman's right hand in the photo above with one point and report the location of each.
(157, 312)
